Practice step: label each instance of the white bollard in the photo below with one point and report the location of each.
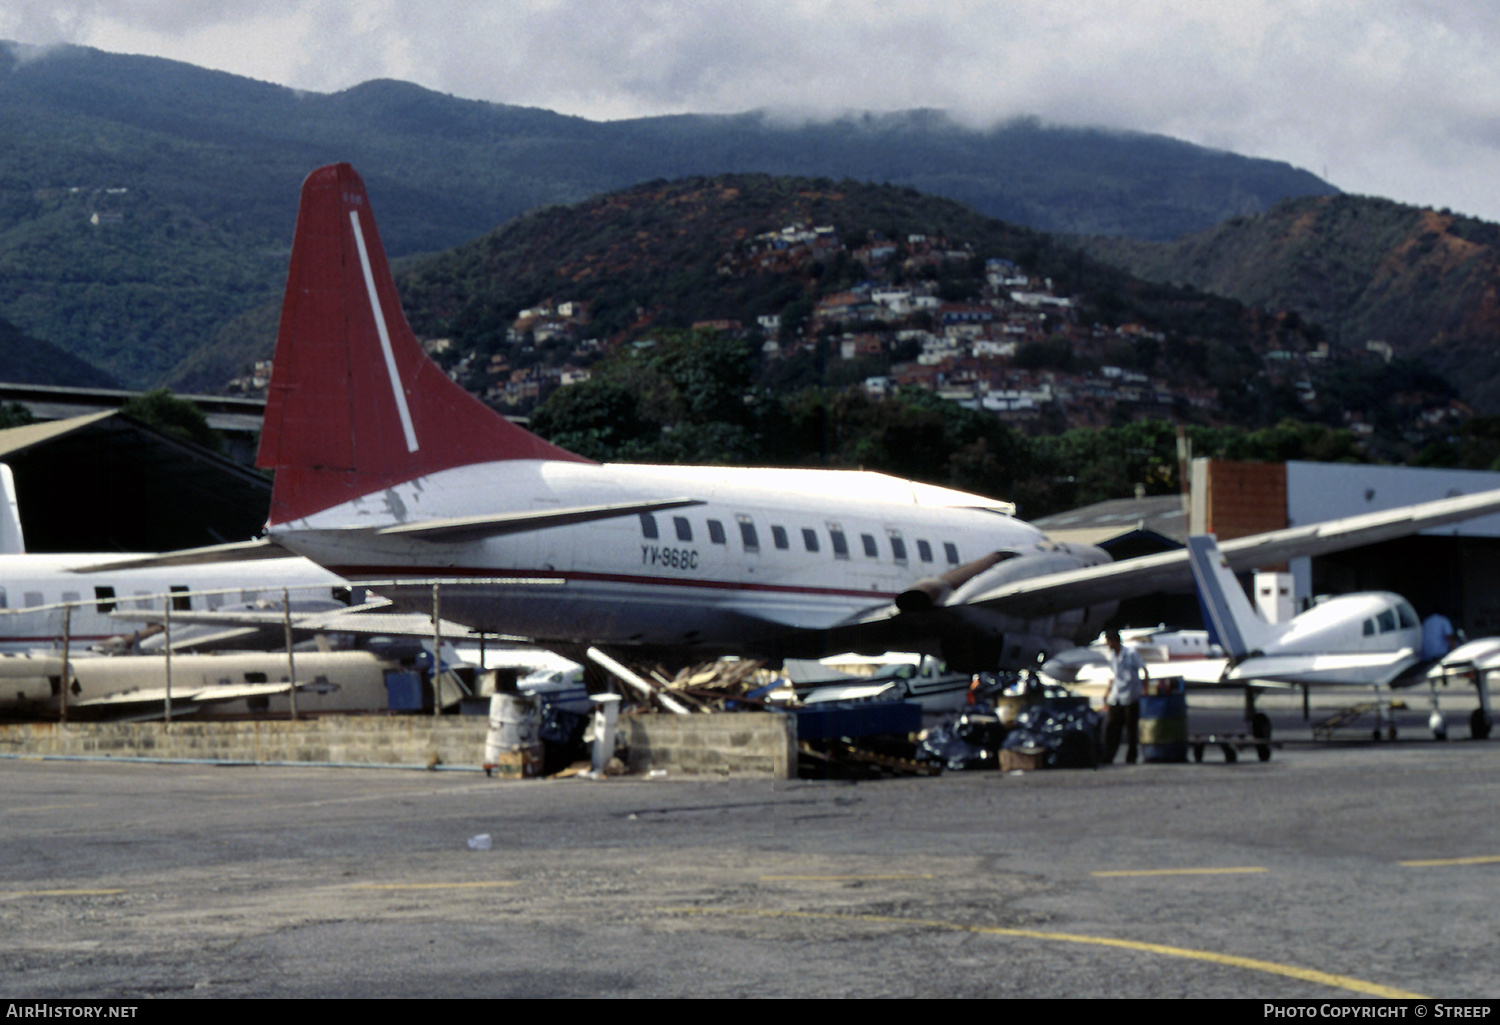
(606, 712)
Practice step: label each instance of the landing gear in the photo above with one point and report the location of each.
(1479, 724)
(1436, 722)
(1260, 729)
(1385, 718)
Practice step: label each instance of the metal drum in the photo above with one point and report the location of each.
(1164, 724)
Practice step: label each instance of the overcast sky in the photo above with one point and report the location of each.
(1398, 98)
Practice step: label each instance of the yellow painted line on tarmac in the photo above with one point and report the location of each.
(1229, 960)
(1487, 859)
(843, 879)
(60, 893)
(433, 886)
(1179, 871)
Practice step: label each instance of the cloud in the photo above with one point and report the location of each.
(1390, 96)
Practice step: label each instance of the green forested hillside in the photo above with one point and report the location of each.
(664, 257)
(1369, 270)
(26, 360)
(212, 162)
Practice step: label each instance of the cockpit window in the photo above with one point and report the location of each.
(1369, 628)
(1408, 616)
(1387, 620)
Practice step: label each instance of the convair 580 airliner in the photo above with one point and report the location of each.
(386, 470)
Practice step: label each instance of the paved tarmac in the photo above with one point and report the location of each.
(1343, 870)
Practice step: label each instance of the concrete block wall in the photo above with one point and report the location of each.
(378, 740)
(753, 743)
(756, 743)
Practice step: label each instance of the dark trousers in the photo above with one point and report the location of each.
(1122, 717)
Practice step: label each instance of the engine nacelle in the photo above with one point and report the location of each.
(976, 637)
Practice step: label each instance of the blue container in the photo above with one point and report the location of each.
(857, 719)
(1164, 725)
(403, 692)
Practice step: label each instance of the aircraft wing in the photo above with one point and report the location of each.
(363, 620)
(1366, 670)
(236, 551)
(1055, 592)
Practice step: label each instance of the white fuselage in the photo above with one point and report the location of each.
(35, 591)
(769, 552)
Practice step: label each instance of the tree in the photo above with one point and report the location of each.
(160, 409)
(13, 414)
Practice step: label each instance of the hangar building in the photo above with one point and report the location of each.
(1454, 570)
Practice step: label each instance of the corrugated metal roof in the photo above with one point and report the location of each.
(103, 482)
(1160, 514)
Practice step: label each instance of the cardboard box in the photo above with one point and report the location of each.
(524, 762)
(1024, 760)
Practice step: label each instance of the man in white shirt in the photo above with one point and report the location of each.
(1123, 700)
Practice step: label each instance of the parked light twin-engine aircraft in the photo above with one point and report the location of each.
(389, 472)
(1370, 639)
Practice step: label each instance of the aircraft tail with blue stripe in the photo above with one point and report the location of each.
(1232, 621)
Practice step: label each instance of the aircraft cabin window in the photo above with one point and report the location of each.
(70, 596)
(1387, 621)
(951, 551)
(104, 599)
(898, 547)
(748, 537)
(778, 538)
(684, 528)
(716, 532)
(181, 600)
(840, 543)
(869, 543)
(810, 539)
(34, 598)
(924, 551)
(648, 527)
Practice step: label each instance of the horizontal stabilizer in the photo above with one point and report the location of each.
(473, 528)
(195, 695)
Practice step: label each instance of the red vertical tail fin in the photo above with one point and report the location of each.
(355, 405)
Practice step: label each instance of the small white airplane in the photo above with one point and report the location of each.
(1365, 639)
(1368, 639)
(390, 474)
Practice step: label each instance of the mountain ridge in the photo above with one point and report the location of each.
(1372, 271)
(221, 157)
